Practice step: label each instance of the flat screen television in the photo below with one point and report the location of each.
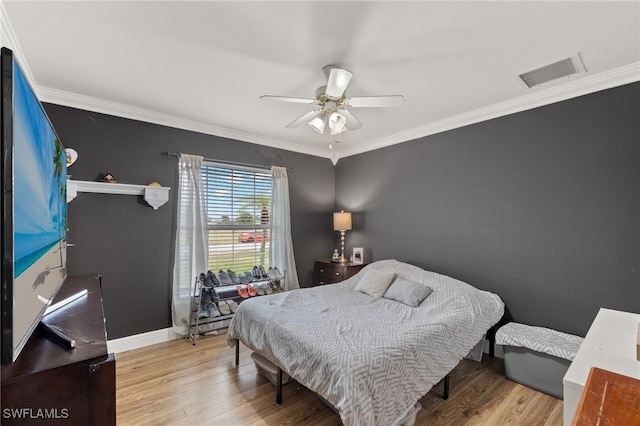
(34, 210)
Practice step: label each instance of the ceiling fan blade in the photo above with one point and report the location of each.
(352, 122)
(338, 80)
(304, 119)
(288, 99)
(376, 101)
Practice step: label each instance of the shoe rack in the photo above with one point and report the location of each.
(226, 292)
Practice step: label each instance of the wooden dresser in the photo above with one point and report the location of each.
(49, 384)
(327, 272)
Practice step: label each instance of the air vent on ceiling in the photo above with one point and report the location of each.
(566, 68)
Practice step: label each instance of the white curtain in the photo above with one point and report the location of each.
(281, 247)
(192, 248)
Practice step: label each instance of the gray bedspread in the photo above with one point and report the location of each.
(372, 359)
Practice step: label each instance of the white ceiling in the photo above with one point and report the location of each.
(202, 65)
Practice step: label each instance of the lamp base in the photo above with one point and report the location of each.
(343, 260)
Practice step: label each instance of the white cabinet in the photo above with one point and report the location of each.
(610, 344)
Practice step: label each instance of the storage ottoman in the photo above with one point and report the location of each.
(537, 357)
(268, 369)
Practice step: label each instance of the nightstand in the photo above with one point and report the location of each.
(327, 272)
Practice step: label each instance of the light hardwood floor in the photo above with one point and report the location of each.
(177, 383)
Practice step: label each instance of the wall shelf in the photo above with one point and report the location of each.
(155, 196)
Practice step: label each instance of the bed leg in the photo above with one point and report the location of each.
(238, 353)
(279, 387)
(446, 387)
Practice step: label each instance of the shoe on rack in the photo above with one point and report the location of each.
(212, 277)
(260, 290)
(213, 310)
(224, 307)
(251, 289)
(263, 273)
(271, 274)
(224, 278)
(232, 275)
(205, 296)
(202, 278)
(242, 291)
(233, 305)
(278, 273)
(207, 282)
(203, 312)
(248, 276)
(278, 288)
(256, 274)
(214, 294)
(268, 289)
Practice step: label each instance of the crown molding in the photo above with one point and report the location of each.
(60, 97)
(12, 43)
(141, 114)
(589, 84)
(579, 87)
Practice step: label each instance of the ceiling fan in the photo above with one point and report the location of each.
(332, 104)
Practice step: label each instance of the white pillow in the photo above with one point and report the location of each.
(408, 292)
(375, 282)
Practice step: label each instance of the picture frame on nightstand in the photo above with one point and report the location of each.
(358, 255)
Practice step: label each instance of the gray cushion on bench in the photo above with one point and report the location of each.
(539, 339)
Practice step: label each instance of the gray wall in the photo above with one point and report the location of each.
(541, 207)
(130, 244)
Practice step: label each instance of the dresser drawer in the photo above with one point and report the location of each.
(327, 272)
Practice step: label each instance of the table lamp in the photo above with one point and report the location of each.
(342, 223)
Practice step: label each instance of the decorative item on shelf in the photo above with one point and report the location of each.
(72, 156)
(109, 178)
(335, 257)
(342, 223)
(358, 256)
(154, 184)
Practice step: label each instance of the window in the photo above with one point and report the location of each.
(238, 204)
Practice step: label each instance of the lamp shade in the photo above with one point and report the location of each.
(318, 123)
(337, 123)
(342, 221)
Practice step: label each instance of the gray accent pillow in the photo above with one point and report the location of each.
(375, 282)
(408, 292)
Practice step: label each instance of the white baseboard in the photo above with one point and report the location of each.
(141, 340)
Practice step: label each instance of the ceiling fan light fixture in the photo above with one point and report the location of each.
(337, 123)
(318, 123)
(338, 79)
(332, 104)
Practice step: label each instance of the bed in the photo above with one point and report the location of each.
(371, 358)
